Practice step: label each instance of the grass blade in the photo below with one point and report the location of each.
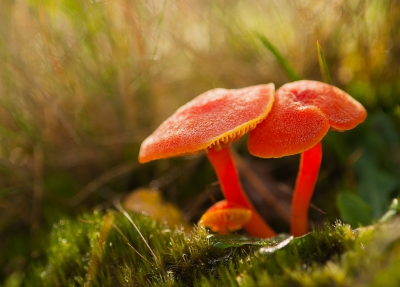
(118, 205)
(282, 61)
(322, 65)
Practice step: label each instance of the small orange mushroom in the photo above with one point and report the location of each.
(225, 216)
(302, 114)
(211, 122)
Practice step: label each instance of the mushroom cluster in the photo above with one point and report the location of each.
(291, 120)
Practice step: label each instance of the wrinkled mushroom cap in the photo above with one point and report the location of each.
(302, 114)
(212, 120)
(225, 216)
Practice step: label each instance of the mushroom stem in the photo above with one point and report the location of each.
(310, 162)
(227, 174)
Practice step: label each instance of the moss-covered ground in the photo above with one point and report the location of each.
(103, 248)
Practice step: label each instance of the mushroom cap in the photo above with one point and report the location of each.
(225, 215)
(213, 119)
(302, 114)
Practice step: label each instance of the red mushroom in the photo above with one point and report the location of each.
(211, 122)
(225, 216)
(302, 114)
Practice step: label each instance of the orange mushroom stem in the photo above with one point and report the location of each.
(225, 216)
(310, 162)
(227, 174)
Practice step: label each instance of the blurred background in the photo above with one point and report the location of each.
(83, 83)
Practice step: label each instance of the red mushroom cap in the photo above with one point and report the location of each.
(213, 119)
(302, 114)
(225, 216)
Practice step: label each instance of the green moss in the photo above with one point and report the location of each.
(104, 249)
